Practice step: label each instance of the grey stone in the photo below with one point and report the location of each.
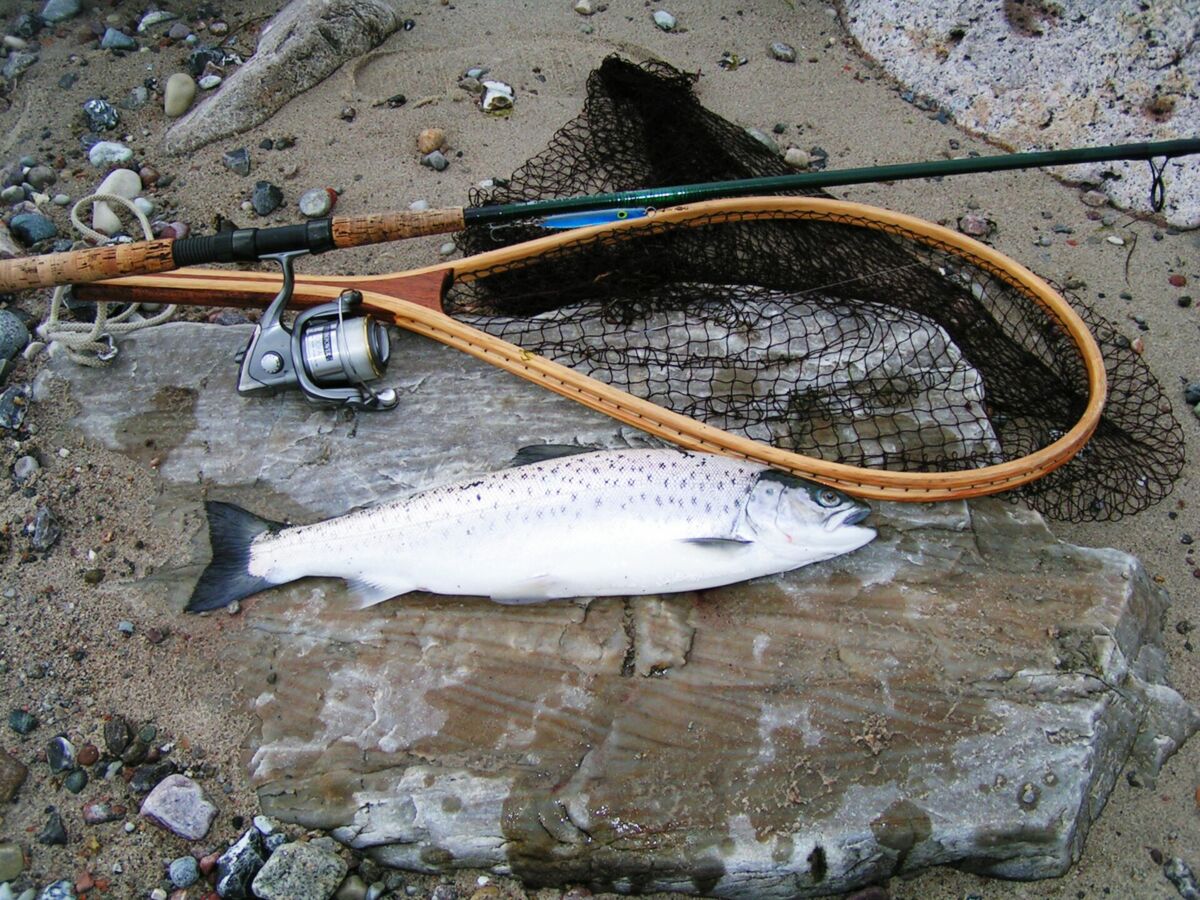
(183, 872)
(13, 334)
(8, 247)
(17, 63)
(435, 160)
(60, 10)
(137, 97)
(41, 177)
(665, 20)
(316, 203)
(24, 468)
(45, 530)
(30, 228)
(266, 198)
(178, 804)
(12, 861)
(59, 890)
(863, 701)
(115, 39)
(299, 872)
(156, 17)
(14, 193)
(291, 57)
(783, 52)
(103, 154)
(238, 865)
(53, 833)
(60, 755)
(237, 161)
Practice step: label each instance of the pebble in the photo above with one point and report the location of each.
(13, 334)
(237, 161)
(60, 755)
(497, 97)
(155, 17)
(266, 198)
(100, 114)
(179, 94)
(53, 833)
(14, 403)
(353, 888)
(763, 138)
(12, 42)
(430, 139)
(12, 775)
(299, 872)
(238, 865)
(178, 804)
(348, 113)
(208, 82)
(1177, 280)
(18, 61)
(88, 755)
(115, 39)
(448, 248)
(125, 628)
(116, 735)
(1094, 198)
(14, 193)
(584, 7)
(60, 10)
(41, 177)
(122, 183)
(419, 205)
(76, 781)
(665, 20)
(797, 158)
(108, 153)
(1180, 874)
(22, 722)
(975, 225)
(29, 228)
(1191, 393)
(24, 469)
(99, 812)
(12, 861)
(435, 160)
(1113, 239)
(178, 32)
(45, 530)
(146, 778)
(183, 872)
(317, 202)
(783, 52)
(61, 199)
(144, 206)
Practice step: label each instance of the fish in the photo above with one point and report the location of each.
(560, 522)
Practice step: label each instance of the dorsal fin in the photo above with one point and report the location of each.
(537, 453)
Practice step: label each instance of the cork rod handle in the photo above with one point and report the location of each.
(77, 266)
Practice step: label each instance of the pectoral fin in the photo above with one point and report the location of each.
(369, 591)
(719, 543)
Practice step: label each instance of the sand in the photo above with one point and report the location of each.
(831, 97)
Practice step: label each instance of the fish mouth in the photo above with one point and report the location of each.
(852, 516)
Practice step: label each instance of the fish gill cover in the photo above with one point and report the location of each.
(853, 344)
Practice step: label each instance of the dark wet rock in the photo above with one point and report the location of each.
(135, 752)
(115, 39)
(266, 198)
(13, 334)
(116, 735)
(53, 833)
(178, 804)
(238, 865)
(100, 114)
(1191, 393)
(26, 26)
(299, 872)
(75, 781)
(44, 531)
(22, 722)
(67, 80)
(12, 775)
(60, 755)
(30, 228)
(291, 57)
(237, 161)
(14, 404)
(146, 778)
(1180, 874)
(14, 193)
(206, 57)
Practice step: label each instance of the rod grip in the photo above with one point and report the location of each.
(354, 231)
(79, 266)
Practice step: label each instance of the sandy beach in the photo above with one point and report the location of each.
(63, 653)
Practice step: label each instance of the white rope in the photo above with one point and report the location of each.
(93, 343)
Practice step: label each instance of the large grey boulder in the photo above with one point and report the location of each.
(965, 690)
(305, 42)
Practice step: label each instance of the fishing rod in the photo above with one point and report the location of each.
(319, 235)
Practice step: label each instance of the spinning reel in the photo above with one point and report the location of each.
(330, 352)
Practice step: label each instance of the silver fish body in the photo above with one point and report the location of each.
(600, 523)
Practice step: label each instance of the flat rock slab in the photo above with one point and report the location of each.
(965, 690)
(1040, 76)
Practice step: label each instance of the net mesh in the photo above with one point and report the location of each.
(827, 336)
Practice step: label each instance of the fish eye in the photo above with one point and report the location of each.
(827, 497)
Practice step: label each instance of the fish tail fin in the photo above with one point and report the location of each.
(231, 530)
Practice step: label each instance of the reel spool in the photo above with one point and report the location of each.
(329, 353)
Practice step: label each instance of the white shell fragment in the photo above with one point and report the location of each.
(497, 96)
